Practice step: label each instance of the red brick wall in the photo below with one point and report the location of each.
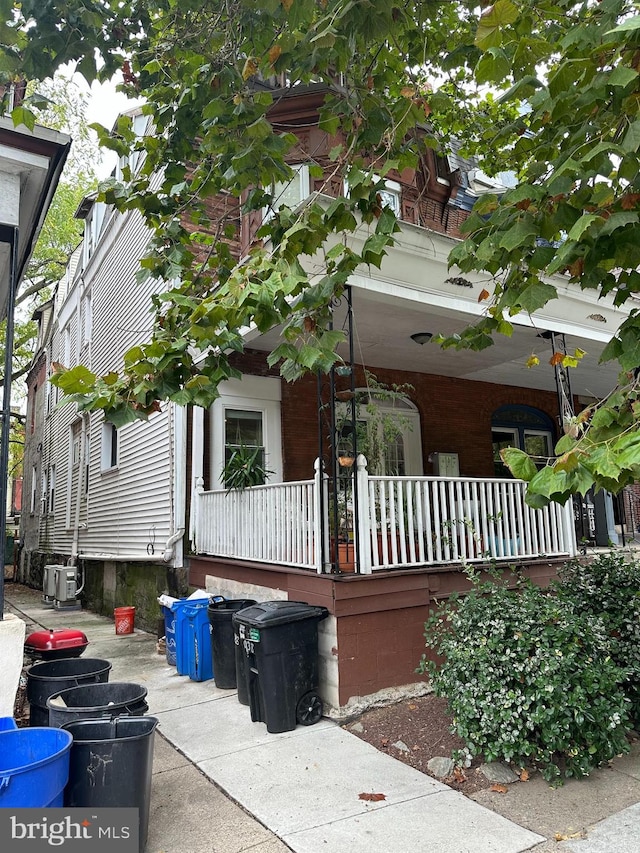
(379, 618)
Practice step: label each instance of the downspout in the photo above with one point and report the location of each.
(75, 544)
(167, 554)
(73, 559)
(169, 548)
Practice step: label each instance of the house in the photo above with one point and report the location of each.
(31, 162)
(145, 508)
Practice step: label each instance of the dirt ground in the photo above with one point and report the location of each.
(414, 731)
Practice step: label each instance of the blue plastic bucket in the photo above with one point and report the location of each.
(7, 724)
(34, 767)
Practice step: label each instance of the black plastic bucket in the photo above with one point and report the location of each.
(95, 701)
(220, 614)
(111, 765)
(52, 676)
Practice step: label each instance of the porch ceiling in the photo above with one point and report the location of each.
(385, 321)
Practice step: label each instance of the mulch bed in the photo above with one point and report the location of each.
(424, 727)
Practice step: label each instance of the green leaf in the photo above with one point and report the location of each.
(547, 482)
(23, 116)
(536, 296)
(521, 234)
(631, 141)
(519, 463)
(630, 25)
(622, 76)
(583, 224)
(501, 13)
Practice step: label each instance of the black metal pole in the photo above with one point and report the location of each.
(354, 426)
(8, 235)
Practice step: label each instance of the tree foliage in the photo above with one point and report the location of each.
(548, 88)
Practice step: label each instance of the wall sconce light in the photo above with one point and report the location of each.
(421, 337)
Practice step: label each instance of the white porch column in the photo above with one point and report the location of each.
(320, 518)
(197, 468)
(569, 528)
(363, 533)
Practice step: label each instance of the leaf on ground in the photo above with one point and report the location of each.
(412, 707)
(385, 741)
(459, 775)
(499, 789)
(561, 836)
(524, 775)
(372, 798)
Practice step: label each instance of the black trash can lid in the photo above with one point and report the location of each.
(271, 613)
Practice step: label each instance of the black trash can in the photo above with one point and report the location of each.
(96, 701)
(280, 644)
(49, 677)
(110, 766)
(223, 652)
(240, 659)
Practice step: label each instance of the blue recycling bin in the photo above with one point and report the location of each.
(193, 640)
(169, 614)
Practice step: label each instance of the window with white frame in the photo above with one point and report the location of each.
(243, 430)
(390, 195)
(34, 489)
(388, 433)
(289, 193)
(49, 392)
(524, 427)
(87, 318)
(44, 493)
(52, 489)
(109, 448)
(66, 346)
(247, 413)
(87, 457)
(75, 445)
(133, 160)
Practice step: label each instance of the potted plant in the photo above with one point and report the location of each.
(244, 468)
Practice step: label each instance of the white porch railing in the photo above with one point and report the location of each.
(428, 520)
(276, 523)
(402, 521)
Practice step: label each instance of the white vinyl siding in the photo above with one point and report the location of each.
(126, 509)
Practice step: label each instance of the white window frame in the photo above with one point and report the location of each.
(44, 491)
(87, 317)
(34, 487)
(390, 196)
(253, 394)
(301, 178)
(52, 489)
(66, 346)
(408, 428)
(109, 448)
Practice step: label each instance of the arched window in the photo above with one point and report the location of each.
(524, 427)
(388, 432)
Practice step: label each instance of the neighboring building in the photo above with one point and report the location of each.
(143, 508)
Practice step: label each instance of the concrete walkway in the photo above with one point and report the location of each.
(224, 784)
